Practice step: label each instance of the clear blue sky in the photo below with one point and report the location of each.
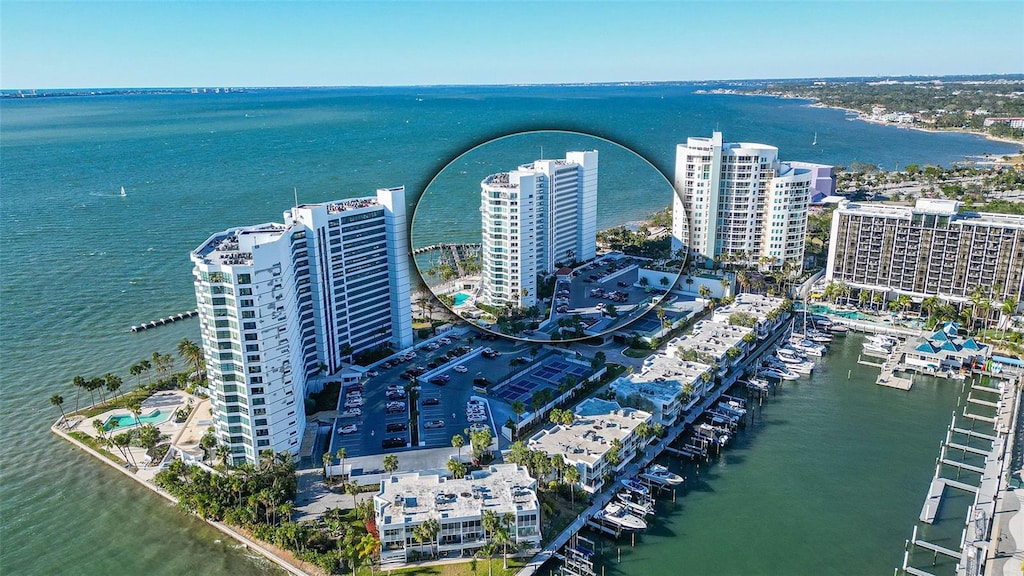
(147, 44)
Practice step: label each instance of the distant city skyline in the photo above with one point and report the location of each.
(170, 44)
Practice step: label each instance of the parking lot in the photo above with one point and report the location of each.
(599, 275)
(436, 402)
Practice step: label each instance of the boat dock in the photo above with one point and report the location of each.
(976, 543)
(163, 321)
(653, 451)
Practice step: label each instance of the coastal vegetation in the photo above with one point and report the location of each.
(941, 104)
(651, 239)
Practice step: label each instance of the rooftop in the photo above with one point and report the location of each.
(758, 305)
(662, 377)
(598, 423)
(713, 338)
(418, 496)
(933, 206)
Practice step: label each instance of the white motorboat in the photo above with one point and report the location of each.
(803, 367)
(789, 356)
(616, 514)
(818, 336)
(640, 507)
(634, 485)
(660, 475)
(838, 329)
(778, 373)
(881, 340)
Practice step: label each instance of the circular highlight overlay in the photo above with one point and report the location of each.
(549, 236)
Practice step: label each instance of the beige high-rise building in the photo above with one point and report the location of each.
(932, 249)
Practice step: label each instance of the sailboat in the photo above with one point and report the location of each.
(123, 194)
(815, 143)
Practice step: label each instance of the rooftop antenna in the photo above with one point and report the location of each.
(541, 152)
(295, 189)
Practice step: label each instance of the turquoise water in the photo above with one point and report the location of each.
(79, 265)
(461, 297)
(123, 420)
(828, 478)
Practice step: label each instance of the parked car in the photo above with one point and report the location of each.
(623, 284)
(481, 381)
(373, 373)
(396, 395)
(393, 442)
(397, 427)
(476, 417)
(445, 341)
(477, 427)
(348, 429)
(440, 380)
(431, 401)
(353, 403)
(433, 424)
(352, 413)
(461, 369)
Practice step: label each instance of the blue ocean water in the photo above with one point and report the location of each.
(79, 264)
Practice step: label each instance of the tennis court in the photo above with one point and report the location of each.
(549, 373)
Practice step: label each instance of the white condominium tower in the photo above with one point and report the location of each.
(280, 303)
(538, 215)
(738, 199)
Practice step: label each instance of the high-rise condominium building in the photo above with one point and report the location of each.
(932, 249)
(280, 303)
(738, 199)
(538, 215)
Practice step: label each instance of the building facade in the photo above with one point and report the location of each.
(587, 443)
(457, 504)
(738, 200)
(535, 217)
(280, 303)
(932, 249)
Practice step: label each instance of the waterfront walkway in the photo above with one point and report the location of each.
(654, 450)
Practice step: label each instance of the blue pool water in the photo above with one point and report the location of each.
(123, 420)
(460, 298)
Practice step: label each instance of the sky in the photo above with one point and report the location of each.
(145, 43)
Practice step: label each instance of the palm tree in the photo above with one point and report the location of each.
(390, 463)
(58, 401)
(146, 366)
(457, 468)
(341, 454)
(571, 476)
(136, 370)
(1008, 308)
(427, 532)
(877, 298)
(327, 458)
(458, 441)
(518, 408)
(79, 383)
(134, 405)
(704, 292)
(192, 353)
(223, 452)
(113, 383)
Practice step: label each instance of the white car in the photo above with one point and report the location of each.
(476, 418)
(348, 429)
(352, 413)
(478, 427)
(353, 403)
(445, 341)
(461, 369)
(373, 373)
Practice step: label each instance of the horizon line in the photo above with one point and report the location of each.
(993, 75)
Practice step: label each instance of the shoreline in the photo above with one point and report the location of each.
(861, 115)
(248, 542)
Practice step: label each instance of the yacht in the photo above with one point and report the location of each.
(756, 383)
(721, 435)
(789, 356)
(639, 507)
(798, 367)
(730, 408)
(881, 340)
(618, 515)
(660, 475)
(634, 485)
(838, 329)
(779, 373)
(818, 336)
(807, 347)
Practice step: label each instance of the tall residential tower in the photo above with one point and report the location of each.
(533, 217)
(280, 303)
(738, 199)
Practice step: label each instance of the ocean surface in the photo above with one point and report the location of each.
(79, 265)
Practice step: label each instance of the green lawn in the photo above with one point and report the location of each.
(636, 352)
(467, 568)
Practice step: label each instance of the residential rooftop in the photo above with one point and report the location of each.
(598, 422)
(757, 305)
(938, 207)
(713, 338)
(419, 496)
(662, 377)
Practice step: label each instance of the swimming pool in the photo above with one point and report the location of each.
(460, 298)
(123, 420)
